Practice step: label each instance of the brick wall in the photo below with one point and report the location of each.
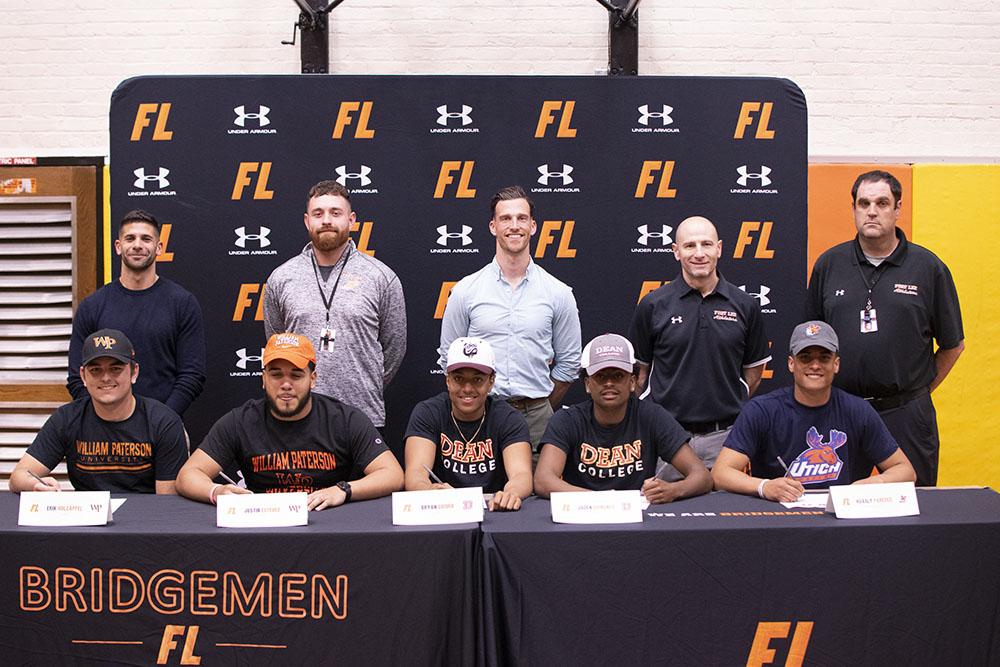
(896, 80)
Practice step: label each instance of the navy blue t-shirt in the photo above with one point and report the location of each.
(618, 458)
(833, 444)
(475, 463)
(128, 456)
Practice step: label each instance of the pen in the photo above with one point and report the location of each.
(783, 466)
(229, 479)
(431, 473)
(38, 478)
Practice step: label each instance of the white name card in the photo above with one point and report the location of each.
(597, 507)
(65, 508)
(262, 510)
(872, 501)
(437, 507)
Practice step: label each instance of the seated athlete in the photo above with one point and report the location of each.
(823, 434)
(294, 440)
(112, 440)
(467, 437)
(612, 441)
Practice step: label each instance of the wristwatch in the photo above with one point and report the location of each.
(346, 488)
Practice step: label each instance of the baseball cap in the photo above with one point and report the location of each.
(469, 352)
(291, 347)
(608, 351)
(813, 333)
(108, 343)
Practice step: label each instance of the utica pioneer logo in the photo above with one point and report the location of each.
(655, 119)
(752, 182)
(252, 120)
(762, 298)
(249, 242)
(151, 182)
(454, 120)
(555, 178)
(357, 180)
(455, 239)
(819, 463)
(653, 238)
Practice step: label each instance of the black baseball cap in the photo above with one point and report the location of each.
(108, 343)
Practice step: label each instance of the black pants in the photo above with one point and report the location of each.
(914, 426)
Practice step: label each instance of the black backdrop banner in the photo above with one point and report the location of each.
(613, 164)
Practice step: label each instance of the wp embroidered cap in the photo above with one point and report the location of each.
(108, 343)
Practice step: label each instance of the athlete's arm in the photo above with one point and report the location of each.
(729, 474)
(896, 468)
(194, 481)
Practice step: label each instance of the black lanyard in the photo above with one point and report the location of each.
(328, 301)
(876, 275)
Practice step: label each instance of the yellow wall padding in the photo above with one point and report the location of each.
(956, 214)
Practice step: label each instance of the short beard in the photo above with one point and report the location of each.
(288, 414)
(329, 241)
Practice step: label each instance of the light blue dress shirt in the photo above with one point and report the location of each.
(534, 329)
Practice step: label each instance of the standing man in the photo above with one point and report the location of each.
(112, 440)
(705, 341)
(528, 317)
(348, 303)
(890, 300)
(823, 435)
(613, 440)
(293, 440)
(161, 317)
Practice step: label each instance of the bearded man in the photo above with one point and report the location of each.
(349, 304)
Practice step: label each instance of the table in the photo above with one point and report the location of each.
(733, 580)
(162, 582)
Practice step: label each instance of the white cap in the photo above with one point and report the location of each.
(470, 353)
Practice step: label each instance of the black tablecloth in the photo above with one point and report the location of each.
(692, 583)
(411, 595)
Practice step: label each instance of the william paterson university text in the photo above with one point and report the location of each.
(202, 592)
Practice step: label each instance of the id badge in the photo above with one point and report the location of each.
(869, 321)
(326, 338)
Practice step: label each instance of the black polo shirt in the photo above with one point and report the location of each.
(915, 302)
(699, 348)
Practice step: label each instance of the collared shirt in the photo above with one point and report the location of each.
(698, 347)
(915, 303)
(534, 329)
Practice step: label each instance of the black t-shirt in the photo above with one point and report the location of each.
(915, 302)
(618, 458)
(461, 463)
(129, 456)
(333, 443)
(698, 347)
